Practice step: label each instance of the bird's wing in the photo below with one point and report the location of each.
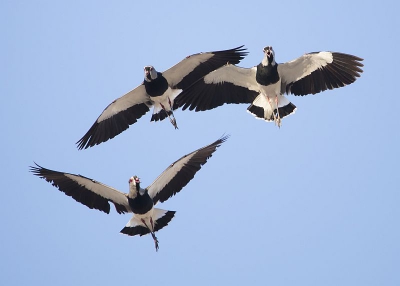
(117, 117)
(316, 72)
(193, 67)
(91, 193)
(228, 84)
(179, 173)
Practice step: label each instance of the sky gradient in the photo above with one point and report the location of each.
(312, 203)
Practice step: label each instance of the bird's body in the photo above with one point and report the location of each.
(146, 218)
(264, 85)
(139, 199)
(158, 90)
(161, 95)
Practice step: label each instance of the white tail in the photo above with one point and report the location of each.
(263, 109)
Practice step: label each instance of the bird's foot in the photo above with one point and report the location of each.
(277, 118)
(278, 121)
(274, 114)
(173, 121)
(155, 240)
(172, 117)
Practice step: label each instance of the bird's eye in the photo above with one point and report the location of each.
(130, 180)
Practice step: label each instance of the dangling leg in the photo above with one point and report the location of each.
(152, 232)
(171, 119)
(272, 108)
(278, 120)
(172, 113)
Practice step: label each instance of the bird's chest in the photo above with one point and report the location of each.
(268, 79)
(141, 204)
(157, 87)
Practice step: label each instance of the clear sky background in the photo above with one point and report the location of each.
(315, 202)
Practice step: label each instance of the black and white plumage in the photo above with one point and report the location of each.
(146, 219)
(158, 90)
(265, 84)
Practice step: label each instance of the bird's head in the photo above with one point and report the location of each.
(269, 56)
(150, 73)
(134, 182)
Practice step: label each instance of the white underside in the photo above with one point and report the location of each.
(270, 99)
(167, 100)
(154, 213)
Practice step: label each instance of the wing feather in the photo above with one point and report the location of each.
(179, 173)
(226, 85)
(316, 72)
(193, 67)
(88, 192)
(117, 117)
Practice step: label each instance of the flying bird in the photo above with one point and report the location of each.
(264, 85)
(158, 90)
(146, 218)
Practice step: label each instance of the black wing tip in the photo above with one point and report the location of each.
(223, 138)
(87, 140)
(348, 59)
(104, 130)
(353, 57)
(241, 50)
(36, 170)
(236, 54)
(83, 143)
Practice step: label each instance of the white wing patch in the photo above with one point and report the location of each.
(325, 56)
(238, 76)
(303, 66)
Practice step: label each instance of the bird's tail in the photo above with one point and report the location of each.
(164, 108)
(159, 113)
(263, 109)
(160, 218)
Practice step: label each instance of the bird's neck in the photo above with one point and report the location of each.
(134, 191)
(157, 86)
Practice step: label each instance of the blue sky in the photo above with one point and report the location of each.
(313, 203)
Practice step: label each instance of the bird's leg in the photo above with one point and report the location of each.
(172, 113)
(278, 121)
(152, 232)
(171, 119)
(270, 104)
